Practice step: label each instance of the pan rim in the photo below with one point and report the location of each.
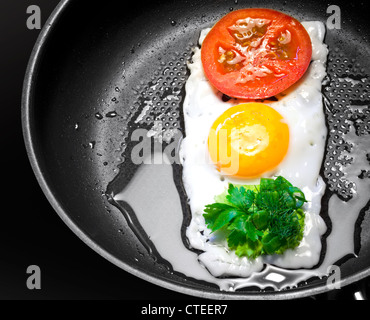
(26, 119)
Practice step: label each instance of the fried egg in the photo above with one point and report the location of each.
(280, 138)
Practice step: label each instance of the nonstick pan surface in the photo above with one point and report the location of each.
(89, 75)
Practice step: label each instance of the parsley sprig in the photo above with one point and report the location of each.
(259, 220)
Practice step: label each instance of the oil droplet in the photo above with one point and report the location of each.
(111, 114)
(173, 23)
(165, 70)
(98, 116)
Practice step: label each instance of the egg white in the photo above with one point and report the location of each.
(302, 108)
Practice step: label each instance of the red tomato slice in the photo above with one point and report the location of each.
(255, 53)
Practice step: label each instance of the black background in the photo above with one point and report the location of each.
(31, 233)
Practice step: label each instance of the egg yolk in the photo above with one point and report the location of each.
(248, 140)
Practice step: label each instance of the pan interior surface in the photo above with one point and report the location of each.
(99, 69)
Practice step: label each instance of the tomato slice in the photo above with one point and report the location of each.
(255, 53)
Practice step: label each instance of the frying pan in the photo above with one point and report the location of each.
(90, 72)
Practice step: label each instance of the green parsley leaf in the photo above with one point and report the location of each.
(257, 220)
(249, 249)
(240, 198)
(236, 238)
(261, 219)
(219, 214)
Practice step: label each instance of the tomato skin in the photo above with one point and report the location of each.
(281, 74)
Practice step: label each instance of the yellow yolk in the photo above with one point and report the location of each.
(248, 140)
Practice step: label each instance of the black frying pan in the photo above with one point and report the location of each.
(89, 75)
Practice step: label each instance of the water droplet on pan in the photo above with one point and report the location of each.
(98, 116)
(111, 114)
